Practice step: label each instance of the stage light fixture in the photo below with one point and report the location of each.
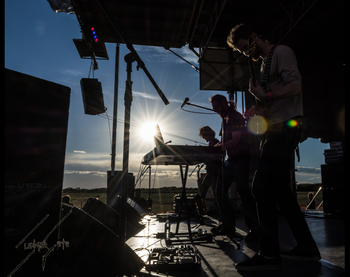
(93, 31)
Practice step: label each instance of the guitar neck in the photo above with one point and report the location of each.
(252, 75)
(251, 69)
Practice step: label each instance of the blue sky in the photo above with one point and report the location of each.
(39, 42)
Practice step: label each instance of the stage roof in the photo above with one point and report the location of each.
(312, 28)
(199, 23)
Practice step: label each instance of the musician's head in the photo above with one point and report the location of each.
(221, 105)
(207, 133)
(238, 40)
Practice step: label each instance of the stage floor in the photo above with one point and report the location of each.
(219, 255)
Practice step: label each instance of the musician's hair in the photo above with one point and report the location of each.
(240, 31)
(66, 199)
(206, 130)
(223, 99)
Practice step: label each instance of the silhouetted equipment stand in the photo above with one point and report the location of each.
(129, 59)
(182, 200)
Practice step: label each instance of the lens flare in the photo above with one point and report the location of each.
(292, 123)
(257, 125)
(148, 130)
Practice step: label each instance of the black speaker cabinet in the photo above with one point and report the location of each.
(36, 119)
(111, 218)
(333, 184)
(91, 90)
(114, 187)
(87, 247)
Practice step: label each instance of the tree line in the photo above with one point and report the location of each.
(173, 189)
(104, 190)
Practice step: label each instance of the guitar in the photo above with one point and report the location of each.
(261, 106)
(251, 48)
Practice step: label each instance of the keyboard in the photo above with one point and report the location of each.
(182, 155)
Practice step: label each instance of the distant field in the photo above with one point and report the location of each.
(163, 198)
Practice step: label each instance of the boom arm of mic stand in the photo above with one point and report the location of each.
(200, 107)
(140, 63)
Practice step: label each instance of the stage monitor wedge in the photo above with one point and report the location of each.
(111, 218)
(91, 248)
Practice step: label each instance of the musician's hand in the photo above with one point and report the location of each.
(254, 110)
(251, 112)
(257, 90)
(218, 144)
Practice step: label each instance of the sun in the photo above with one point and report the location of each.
(148, 130)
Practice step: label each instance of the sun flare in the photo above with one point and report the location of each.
(148, 130)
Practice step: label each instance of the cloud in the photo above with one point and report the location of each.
(77, 172)
(187, 54)
(81, 161)
(40, 27)
(79, 151)
(162, 55)
(145, 95)
(89, 170)
(304, 169)
(308, 174)
(74, 72)
(84, 179)
(172, 100)
(154, 96)
(169, 174)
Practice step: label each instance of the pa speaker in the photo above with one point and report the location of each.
(91, 248)
(114, 187)
(111, 218)
(91, 90)
(36, 120)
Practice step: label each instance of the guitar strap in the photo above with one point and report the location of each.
(266, 74)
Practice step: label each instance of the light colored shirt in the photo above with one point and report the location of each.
(283, 70)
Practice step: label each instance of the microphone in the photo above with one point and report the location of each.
(185, 102)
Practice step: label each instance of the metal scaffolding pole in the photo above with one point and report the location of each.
(115, 110)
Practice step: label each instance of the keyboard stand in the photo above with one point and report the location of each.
(184, 199)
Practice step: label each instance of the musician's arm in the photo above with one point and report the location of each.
(288, 90)
(236, 136)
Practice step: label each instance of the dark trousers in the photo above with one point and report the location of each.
(236, 170)
(270, 188)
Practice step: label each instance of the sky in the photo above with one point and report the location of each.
(39, 42)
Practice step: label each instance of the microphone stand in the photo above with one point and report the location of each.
(201, 107)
